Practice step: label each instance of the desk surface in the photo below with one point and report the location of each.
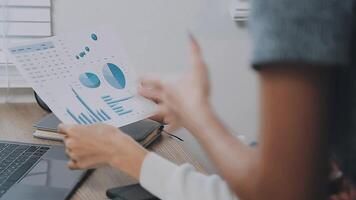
(16, 125)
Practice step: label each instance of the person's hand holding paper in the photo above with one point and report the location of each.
(100, 144)
(180, 102)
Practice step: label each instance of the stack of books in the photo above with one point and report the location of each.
(145, 131)
(46, 128)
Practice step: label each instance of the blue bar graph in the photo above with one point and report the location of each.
(106, 115)
(102, 116)
(125, 112)
(85, 105)
(112, 102)
(93, 119)
(82, 120)
(86, 118)
(116, 104)
(119, 111)
(73, 116)
(117, 108)
(90, 116)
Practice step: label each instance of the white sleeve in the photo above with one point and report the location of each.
(168, 181)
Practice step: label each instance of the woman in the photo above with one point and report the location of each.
(303, 53)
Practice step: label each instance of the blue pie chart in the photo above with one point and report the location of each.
(114, 76)
(89, 80)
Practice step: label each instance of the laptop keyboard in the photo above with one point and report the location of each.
(15, 161)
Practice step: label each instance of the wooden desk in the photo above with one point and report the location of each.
(16, 125)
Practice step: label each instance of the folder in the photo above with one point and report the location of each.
(144, 132)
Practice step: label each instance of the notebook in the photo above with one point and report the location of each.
(144, 131)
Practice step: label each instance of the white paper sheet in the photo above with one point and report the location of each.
(84, 77)
(11, 42)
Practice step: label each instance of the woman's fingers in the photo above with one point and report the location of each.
(68, 152)
(151, 83)
(150, 94)
(194, 45)
(200, 70)
(62, 128)
(72, 164)
(78, 159)
(84, 163)
(65, 129)
(89, 146)
(196, 53)
(162, 110)
(172, 127)
(158, 118)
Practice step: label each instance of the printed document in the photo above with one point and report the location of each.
(84, 77)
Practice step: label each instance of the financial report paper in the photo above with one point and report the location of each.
(84, 77)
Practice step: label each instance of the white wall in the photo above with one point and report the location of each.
(155, 33)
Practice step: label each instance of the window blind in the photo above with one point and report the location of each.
(23, 20)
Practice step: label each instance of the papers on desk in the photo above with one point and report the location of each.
(84, 77)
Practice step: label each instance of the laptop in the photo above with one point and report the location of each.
(36, 172)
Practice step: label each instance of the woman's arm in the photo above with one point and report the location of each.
(99, 144)
(290, 160)
(169, 181)
(287, 165)
(294, 122)
(291, 156)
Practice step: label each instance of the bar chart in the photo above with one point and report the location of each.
(116, 104)
(91, 116)
(99, 87)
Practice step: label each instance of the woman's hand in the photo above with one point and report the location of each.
(184, 101)
(99, 144)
